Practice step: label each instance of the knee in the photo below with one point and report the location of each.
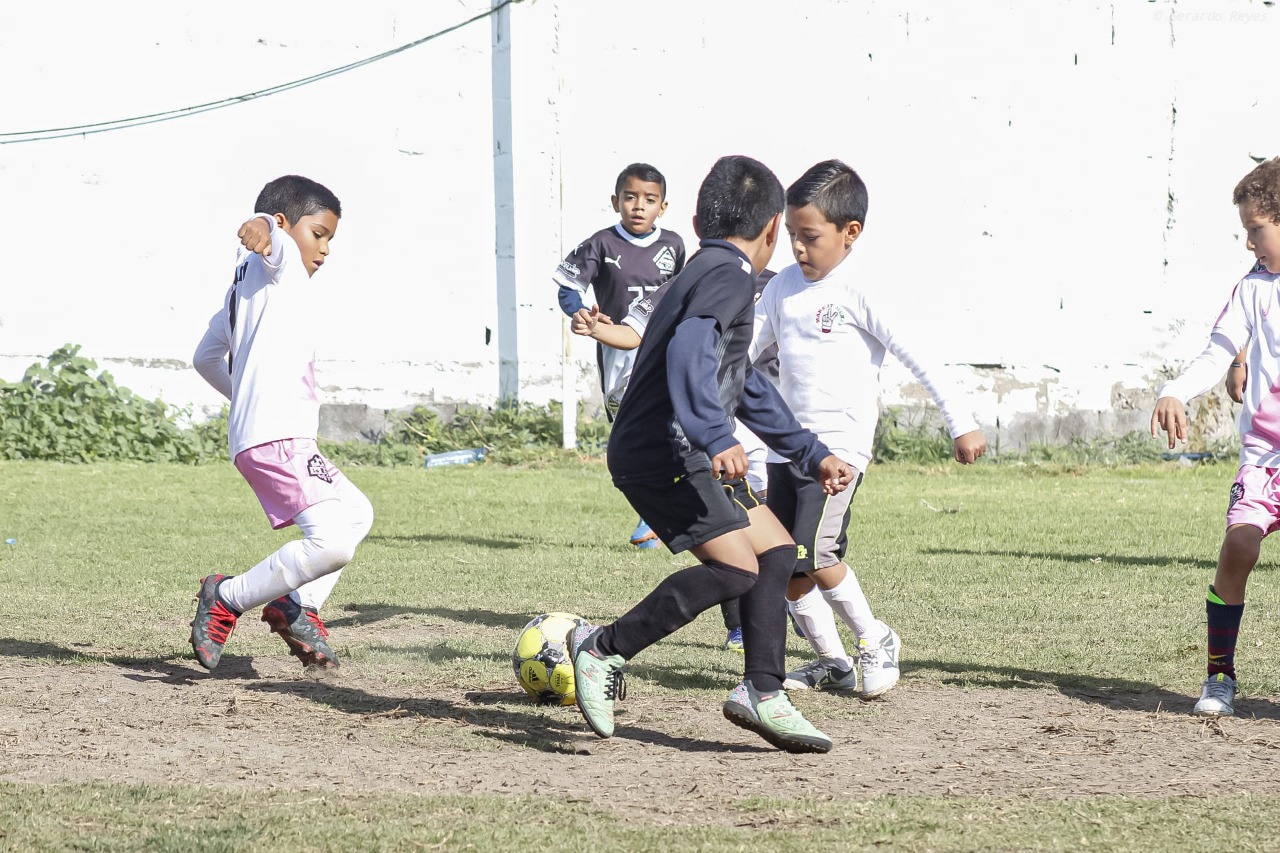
(1240, 548)
(329, 555)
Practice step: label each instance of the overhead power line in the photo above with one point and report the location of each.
(15, 137)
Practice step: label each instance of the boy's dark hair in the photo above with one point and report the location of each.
(1261, 187)
(737, 198)
(834, 189)
(296, 197)
(643, 172)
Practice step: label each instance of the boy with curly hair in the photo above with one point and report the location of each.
(1248, 331)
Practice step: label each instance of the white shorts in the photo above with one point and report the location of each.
(757, 455)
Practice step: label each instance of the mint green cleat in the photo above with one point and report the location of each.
(774, 718)
(597, 678)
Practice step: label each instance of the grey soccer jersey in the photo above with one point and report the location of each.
(622, 269)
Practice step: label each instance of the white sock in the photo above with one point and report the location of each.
(331, 531)
(815, 618)
(314, 593)
(851, 605)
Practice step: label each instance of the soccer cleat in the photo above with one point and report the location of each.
(774, 718)
(303, 630)
(879, 663)
(597, 678)
(733, 641)
(817, 675)
(644, 538)
(1217, 697)
(214, 622)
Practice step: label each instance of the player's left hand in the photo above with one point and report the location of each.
(730, 464)
(835, 475)
(970, 447)
(255, 235)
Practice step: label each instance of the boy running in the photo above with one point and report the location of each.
(627, 336)
(1248, 331)
(832, 334)
(684, 470)
(259, 352)
(622, 264)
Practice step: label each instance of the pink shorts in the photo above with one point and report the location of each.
(288, 476)
(1255, 498)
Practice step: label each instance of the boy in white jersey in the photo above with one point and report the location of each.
(1247, 330)
(259, 352)
(832, 335)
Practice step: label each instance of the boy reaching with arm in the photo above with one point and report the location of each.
(259, 351)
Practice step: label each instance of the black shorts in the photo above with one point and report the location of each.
(692, 509)
(816, 520)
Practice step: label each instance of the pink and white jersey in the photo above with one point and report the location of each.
(1250, 315)
(832, 337)
(266, 330)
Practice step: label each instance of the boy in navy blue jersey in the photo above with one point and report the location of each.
(627, 336)
(684, 471)
(622, 264)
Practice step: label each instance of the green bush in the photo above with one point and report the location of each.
(61, 411)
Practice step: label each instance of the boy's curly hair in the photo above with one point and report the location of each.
(1261, 187)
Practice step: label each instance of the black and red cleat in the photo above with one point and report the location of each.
(214, 623)
(304, 631)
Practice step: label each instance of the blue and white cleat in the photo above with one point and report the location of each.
(644, 538)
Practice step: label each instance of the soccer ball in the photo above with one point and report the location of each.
(541, 658)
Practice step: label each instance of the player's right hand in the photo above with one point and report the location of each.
(835, 475)
(582, 323)
(1171, 416)
(255, 235)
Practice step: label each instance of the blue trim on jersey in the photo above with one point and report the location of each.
(570, 300)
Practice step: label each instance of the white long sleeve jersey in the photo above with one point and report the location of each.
(831, 342)
(267, 325)
(1250, 315)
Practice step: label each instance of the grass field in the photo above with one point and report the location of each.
(1008, 584)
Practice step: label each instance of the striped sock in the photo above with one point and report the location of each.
(1224, 629)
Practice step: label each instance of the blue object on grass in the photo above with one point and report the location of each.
(454, 457)
(11, 541)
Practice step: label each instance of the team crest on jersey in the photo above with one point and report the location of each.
(1237, 492)
(318, 468)
(828, 317)
(665, 260)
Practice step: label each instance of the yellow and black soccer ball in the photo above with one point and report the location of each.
(541, 658)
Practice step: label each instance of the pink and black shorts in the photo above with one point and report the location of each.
(288, 476)
(1255, 498)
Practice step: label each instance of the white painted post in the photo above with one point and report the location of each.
(504, 192)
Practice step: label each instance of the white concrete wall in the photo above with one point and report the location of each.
(1050, 182)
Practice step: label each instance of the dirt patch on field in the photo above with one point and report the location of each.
(261, 723)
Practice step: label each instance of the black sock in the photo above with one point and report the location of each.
(764, 620)
(732, 613)
(674, 603)
(1224, 629)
